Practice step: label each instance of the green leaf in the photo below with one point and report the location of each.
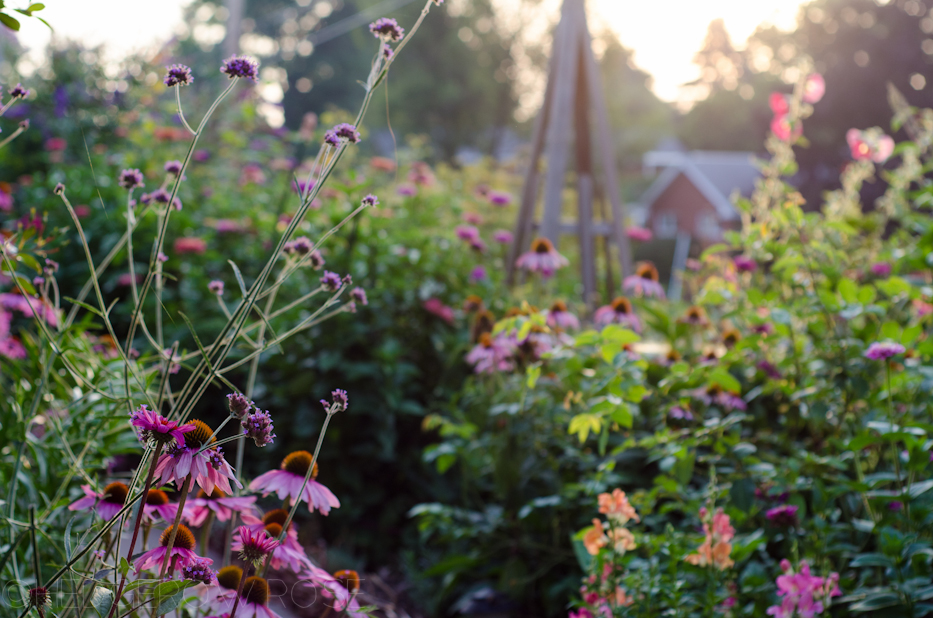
(872, 560)
(533, 373)
(717, 248)
(582, 424)
(35, 6)
(920, 488)
(623, 416)
(866, 295)
(124, 567)
(848, 289)
(167, 605)
(721, 377)
(742, 494)
(102, 600)
(891, 330)
(9, 22)
(876, 601)
(619, 335)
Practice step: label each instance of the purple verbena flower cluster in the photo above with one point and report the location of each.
(178, 75)
(242, 67)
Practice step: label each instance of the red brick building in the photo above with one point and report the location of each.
(693, 194)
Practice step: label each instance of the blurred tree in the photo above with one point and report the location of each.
(456, 79)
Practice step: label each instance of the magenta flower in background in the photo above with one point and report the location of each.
(253, 546)
(358, 295)
(467, 233)
(130, 179)
(785, 130)
(559, 317)
(883, 350)
(258, 427)
(473, 218)
(881, 269)
(680, 414)
(181, 556)
(189, 244)
(478, 274)
(434, 306)
(107, 503)
(502, 236)
(492, 354)
(543, 258)
(216, 287)
(6, 201)
(407, 190)
(784, 516)
(870, 145)
(814, 88)
(173, 167)
(640, 234)
(387, 29)
(158, 507)
(744, 264)
(499, 198)
(252, 174)
(646, 280)
(54, 144)
(421, 174)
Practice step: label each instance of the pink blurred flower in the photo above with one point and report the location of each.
(492, 354)
(744, 264)
(779, 103)
(870, 144)
(223, 506)
(883, 350)
(620, 311)
(287, 482)
(785, 130)
(923, 308)
(542, 258)
(468, 233)
(436, 307)
(473, 218)
(639, 233)
(55, 143)
(6, 201)
(478, 274)
(190, 244)
(421, 174)
(406, 190)
(252, 174)
(559, 317)
(881, 269)
(82, 210)
(499, 198)
(502, 236)
(814, 88)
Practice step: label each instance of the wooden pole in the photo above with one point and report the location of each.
(585, 183)
(234, 27)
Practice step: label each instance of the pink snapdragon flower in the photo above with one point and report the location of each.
(800, 592)
(288, 481)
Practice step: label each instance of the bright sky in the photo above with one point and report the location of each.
(664, 34)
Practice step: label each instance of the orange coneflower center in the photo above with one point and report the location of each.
(214, 495)
(274, 530)
(156, 497)
(695, 313)
(485, 340)
(673, 356)
(542, 245)
(646, 270)
(229, 577)
(350, 579)
(559, 306)
(472, 303)
(298, 463)
(116, 493)
(200, 435)
(256, 590)
(621, 305)
(713, 389)
(731, 337)
(183, 538)
(275, 516)
(484, 323)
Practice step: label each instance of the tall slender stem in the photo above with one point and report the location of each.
(181, 507)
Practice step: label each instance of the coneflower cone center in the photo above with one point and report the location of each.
(200, 435)
(275, 516)
(298, 463)
(256, 590)
(229, 577)
(116, 493)
(156, 497)
(350, 579)
(214, 495)
(274, 530)
(184, 539)
(621, 305)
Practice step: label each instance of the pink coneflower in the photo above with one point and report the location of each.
(436, 307)
(253, 546)
(220, 596)
(559, 317)
(223, 506)
(492, 354)
(881, 269)
(182, 551)
(502, 236)
(157, 506)
(645, 281)
(289, 552)
(288, 481)
(190, 244)
(153, 427)
(499, 198)
(216, 287)
(12, 348)
(254, 599)
(870, 145)
(730, 337)
(639, 233)
(694, 316)
(619, 312)
(208, 466)
(715, 395)
(814, 88)
(883, 350)
(542, 258)
(107, 503)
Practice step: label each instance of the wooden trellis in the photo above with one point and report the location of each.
(574, 95)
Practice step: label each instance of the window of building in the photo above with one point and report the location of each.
(708, 227)
(665, 225)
